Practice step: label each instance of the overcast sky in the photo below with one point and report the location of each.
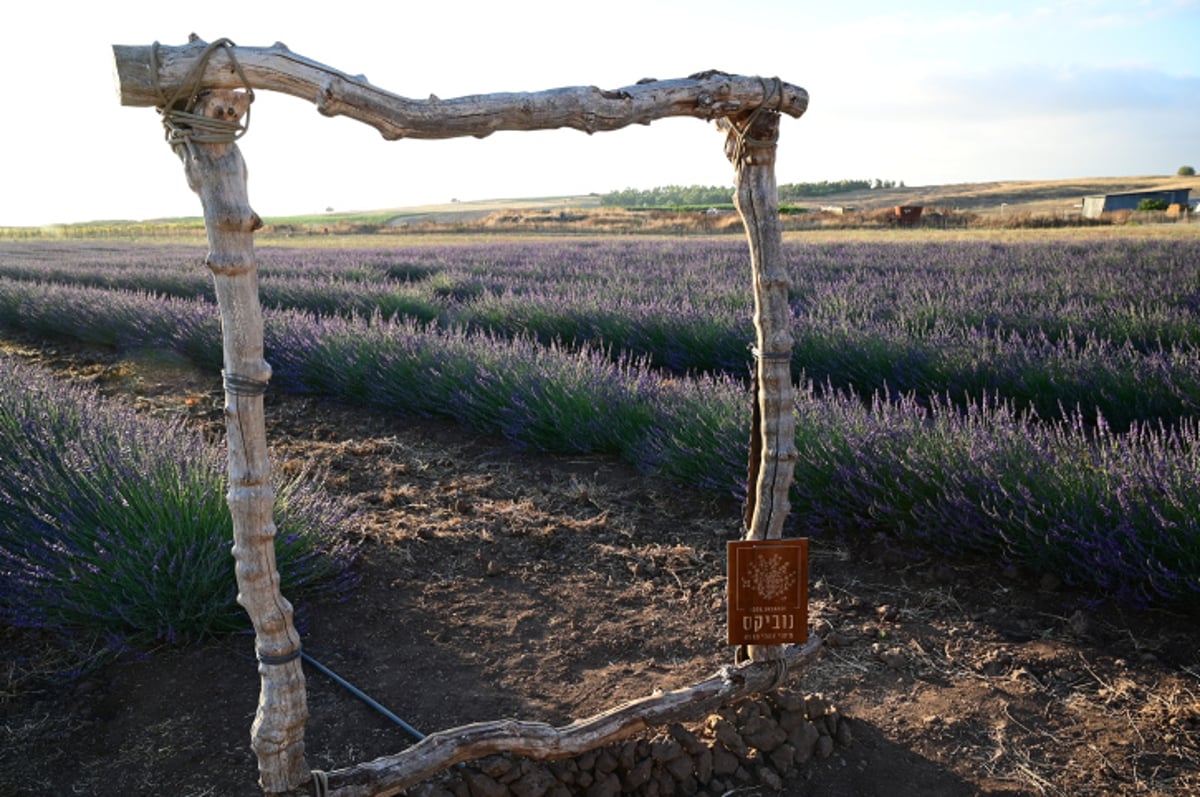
(924, 92)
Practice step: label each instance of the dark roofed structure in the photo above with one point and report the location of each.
(1097, 204)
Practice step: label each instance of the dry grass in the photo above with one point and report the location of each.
(991, 208)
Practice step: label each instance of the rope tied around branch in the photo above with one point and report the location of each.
(320, 783)
(742, 139)
(182, 125)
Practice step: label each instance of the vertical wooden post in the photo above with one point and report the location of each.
(750, 145)
(217, 172)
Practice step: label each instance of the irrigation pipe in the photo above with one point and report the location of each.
(363, 696)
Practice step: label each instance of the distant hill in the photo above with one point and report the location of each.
(1052, 198)
(1029, 196)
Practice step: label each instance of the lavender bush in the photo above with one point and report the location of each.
(115, 523)
(1036, 403)
(1104, 328)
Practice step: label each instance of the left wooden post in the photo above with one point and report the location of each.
(217, 173)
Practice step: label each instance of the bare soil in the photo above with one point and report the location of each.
(500, 583)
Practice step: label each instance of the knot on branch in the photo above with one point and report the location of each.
(194, 115)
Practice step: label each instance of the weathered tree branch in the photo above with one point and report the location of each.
(539, 741)
(708, 95)
(217, 172)
(750, 145)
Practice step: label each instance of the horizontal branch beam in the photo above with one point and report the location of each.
(536, 740)
(708, 95)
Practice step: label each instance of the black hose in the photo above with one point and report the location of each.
(363, 696)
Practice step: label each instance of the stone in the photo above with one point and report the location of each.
(783, 757)
(704, 765)
(727, 734)
(844, 735)
(607, 785)
(432, 790)
(560, 791)
(724, 762)
(638, 775)
(628, 755)
(494, 766)
(483, 786)
(805, 741)
(606, 762)
(535, 783)
(792, 719)
(769, 778)
(815, 706)
(517, 770)
(746, 711)
(831, 722)
(564, 770)
(688, 740)
(787, 701)
(824, 747)
(762, 733)
(664, 750)
(687, 786)
(680, 767)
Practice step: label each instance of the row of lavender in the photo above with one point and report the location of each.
(1105, 328)
(1115, 512)
(116, 523)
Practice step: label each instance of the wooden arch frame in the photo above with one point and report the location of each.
(747, 109)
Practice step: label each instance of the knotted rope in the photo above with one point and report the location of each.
(741, 133)
(185, 127)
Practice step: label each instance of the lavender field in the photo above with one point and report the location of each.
(1033, 402)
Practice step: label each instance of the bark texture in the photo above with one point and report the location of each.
(750, 145)
(217, 173)
(707, 95)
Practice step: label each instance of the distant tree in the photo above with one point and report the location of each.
(1152, 204)
(1186, 171)
(692, 195)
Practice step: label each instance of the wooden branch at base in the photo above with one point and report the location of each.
(391, 774)
(707, 95)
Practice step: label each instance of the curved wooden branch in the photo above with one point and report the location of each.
(391, 774)
(707, 95)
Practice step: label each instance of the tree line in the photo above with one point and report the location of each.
(674, 195)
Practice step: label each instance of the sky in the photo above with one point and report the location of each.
(921, 92)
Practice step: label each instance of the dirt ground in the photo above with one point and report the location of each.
(500, 583)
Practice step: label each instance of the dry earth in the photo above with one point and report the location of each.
(503, 583)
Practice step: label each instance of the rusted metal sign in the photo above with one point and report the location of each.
(768, 592)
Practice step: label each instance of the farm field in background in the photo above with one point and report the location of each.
(1032, 402)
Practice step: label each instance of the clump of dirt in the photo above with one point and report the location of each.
(504, 583)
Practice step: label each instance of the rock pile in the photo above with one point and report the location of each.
(760, 741)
